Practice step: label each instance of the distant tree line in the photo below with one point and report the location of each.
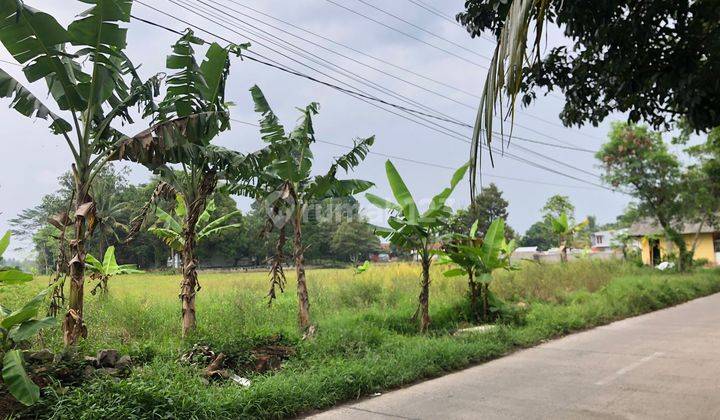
(335, 233)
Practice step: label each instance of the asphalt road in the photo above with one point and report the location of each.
(665, 364)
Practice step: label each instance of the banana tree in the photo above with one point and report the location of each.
(288, 183)
(87, 74)
(477, 258)
(17, 327)
(171, 231)
(565, 230)
(191, 115)
(411, 230)
(102, 271)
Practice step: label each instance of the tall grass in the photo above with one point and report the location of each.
(366, 340)
(550, 282)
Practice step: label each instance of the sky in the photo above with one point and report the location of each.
(33, 158)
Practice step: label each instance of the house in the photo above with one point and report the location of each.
(610, 241)
(606, 240)
(655, 247)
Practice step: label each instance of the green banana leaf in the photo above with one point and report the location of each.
(16, 379)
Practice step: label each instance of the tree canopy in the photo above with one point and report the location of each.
(656, 60)
(489, 205)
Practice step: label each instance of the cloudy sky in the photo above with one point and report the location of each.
(32, 158)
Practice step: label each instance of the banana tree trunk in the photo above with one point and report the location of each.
(424, 298)
(485, 298)
(299, 254)
(473, 296)
(277, 273)
(190, 284)
(73, 324)
(563, 251)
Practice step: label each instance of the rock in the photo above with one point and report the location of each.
(124, 362)
(89, 360)
(107, 358)
(42, 356)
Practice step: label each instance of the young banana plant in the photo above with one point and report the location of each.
(565, 230)
(415, 231)
(287, 182)
(93, 85)
(102, 271)
(477, 258)
(171, 231)
(17, 327)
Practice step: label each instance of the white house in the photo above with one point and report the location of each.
(606, 240)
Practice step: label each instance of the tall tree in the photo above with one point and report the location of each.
(638, 160)
(539, 234)
(289, 184)
(656, 60)
(701, 192)
(489, 205)
(558, 205)
(353, 239)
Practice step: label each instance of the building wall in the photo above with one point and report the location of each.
(704, 249)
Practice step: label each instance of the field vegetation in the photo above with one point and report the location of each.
(366, 341)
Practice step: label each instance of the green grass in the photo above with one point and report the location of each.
(365, 343)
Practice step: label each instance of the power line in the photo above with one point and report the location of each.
(353, 91)
(425, 42)
(357, 51)
(475, 63)
(383, 61)
(425, 123)
(434, 35)
(444, 117)
(271, 38)
(434, 11)
(440, 94)
(434, 165)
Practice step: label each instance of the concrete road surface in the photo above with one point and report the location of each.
(663, 365)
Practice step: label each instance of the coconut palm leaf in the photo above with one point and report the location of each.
(505, 74)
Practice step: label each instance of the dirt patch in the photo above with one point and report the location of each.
(216, 364)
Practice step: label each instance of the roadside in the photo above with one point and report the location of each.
(665, 364)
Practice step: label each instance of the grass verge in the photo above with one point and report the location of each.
(366, 342)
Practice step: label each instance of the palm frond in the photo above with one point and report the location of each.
(505, 74)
